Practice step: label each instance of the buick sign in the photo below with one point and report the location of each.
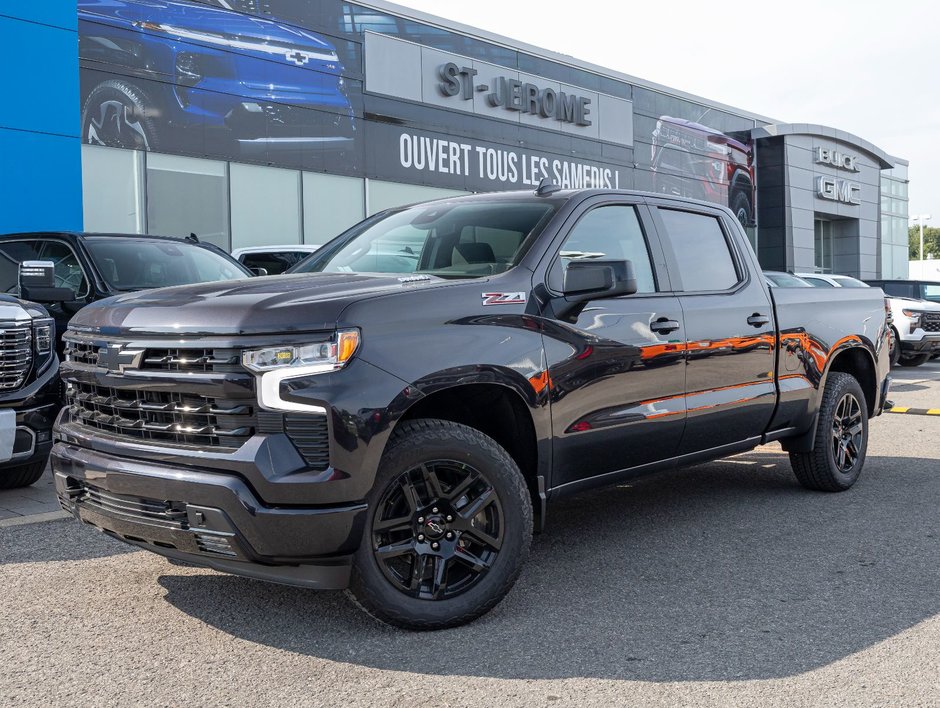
(834, 158)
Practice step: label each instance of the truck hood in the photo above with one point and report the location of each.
(278, 304)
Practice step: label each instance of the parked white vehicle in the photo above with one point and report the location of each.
(274, 259)
(916, 329)
(915, 326)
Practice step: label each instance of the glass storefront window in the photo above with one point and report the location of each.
(265, 206)
(188, 195)
(823, 244)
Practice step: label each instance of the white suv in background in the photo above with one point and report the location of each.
(274, 259)
(916, 323)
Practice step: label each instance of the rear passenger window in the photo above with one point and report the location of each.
(703, 253)
(899, 289)
(607, 233)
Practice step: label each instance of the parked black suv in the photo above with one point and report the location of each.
(395, 415)
(914, 289)
(90, 267)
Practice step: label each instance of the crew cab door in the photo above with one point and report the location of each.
(729, 327)
(617, 372)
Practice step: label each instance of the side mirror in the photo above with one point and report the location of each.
(594, 280)
(37, 283)
(259, 271)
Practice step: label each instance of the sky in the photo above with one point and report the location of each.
(869, 68)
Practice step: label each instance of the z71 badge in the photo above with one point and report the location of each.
(504, 299)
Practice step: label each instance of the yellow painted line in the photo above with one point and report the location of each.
(933, 411)
(899, 409)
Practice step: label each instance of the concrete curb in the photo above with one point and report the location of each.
(33, 519)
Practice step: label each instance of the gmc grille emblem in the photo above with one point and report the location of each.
(114, 357)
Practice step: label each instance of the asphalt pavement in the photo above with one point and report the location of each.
(721, 584)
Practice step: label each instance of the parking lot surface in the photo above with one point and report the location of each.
(721, 584)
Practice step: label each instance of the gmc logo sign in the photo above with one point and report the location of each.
(825, 156)
(838, 190)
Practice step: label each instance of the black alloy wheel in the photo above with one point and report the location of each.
(438, 530)
(840, 442)
(447, 531)
(847, 430)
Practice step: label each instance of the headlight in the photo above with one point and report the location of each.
(278, 364)
(43, 334)
(329, 355)
(913, 314)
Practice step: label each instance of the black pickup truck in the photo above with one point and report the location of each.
(395, 415)
(29, 390)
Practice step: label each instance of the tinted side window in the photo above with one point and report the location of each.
(899, 289)
(68, 271)
(607, 233)
(702, 251)
(12, 253)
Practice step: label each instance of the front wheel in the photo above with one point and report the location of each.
(838, 455)
(447, 531)
(22, 475)
(915, 360)
(119, 114)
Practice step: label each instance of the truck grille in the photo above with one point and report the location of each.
(216, 360)
(931, 322)
(16, 354)
(162, 416)
(191, 360)
(167, 514)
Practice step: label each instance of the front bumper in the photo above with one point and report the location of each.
(207, 518)
(928, 343)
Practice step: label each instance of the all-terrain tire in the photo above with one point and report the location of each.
(420, 443)
(741, 206)
(820, 468)
(22, 475)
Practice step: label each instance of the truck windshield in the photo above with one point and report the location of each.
(141, 264)
(446, 239)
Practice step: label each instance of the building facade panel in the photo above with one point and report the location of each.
(279, 109)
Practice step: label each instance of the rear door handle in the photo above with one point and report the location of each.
(758, 320)
(664, 326)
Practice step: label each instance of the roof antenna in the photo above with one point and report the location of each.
(546, 187)
(192, 238)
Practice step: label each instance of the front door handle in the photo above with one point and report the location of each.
(758, 320)
(664, 326)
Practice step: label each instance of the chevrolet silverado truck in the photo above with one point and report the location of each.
(395, 414)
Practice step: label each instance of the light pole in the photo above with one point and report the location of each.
(921, 218)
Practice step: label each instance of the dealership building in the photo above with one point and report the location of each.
(252, 122)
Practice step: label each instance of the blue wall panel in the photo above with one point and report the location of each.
(40, 148)
(58, 13)
(40, 182)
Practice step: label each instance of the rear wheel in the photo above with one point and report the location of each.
(448, 528)
(22, 475)
(838, 455)
(915, 360)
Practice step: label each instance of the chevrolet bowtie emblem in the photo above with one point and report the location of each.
(114, 357)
